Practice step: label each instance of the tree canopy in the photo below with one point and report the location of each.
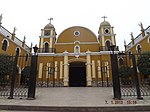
(6, 66)
(124, 71)
(143, 63)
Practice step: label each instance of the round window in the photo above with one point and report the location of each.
(76, 33)
(106, 30)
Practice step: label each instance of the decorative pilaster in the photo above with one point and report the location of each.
(24, 41)
(93, 69)
(51, 43)
(13, 34)
(61, 70)
(66, 69)
(99, 68)
(107, 69)
(1, 19)
(47, 71)
(142, 29)
(132, 38)
(56, 69)
(88, 68)
(113, 36)
(40, 70)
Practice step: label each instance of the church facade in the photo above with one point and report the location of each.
(77, 57)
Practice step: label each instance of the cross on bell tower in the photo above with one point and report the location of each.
(50, 19)
(104, 17)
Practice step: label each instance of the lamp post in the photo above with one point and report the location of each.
(115, 75)
(33, 73)
(35, 49)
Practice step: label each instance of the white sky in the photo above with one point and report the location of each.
(30, 16)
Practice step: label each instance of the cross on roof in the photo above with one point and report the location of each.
(50, 20)
(1, 18)
(104, 17)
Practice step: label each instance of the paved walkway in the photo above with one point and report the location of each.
(75, 97)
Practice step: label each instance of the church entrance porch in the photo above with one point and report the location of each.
(77, 74)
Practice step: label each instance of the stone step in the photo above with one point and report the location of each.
(136, 108)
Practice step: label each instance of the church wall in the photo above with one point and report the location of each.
(145, 46)
(49, 61)
(98, 62)
(11, 49)
(67, 36)
(83, 47)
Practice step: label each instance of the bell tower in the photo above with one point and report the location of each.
(106, 35)
(47, 38)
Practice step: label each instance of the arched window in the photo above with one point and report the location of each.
(108, 43)
(18, 49)
(46, 47)
(4, 45)
(77, 49)
(138, 48)
(121, 61)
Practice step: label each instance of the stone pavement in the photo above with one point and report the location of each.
(74, 97)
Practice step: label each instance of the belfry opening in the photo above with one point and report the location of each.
(77, 74)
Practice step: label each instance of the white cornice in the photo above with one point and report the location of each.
(79, 43)
(80, 54)
(46, 36)
(107, 34)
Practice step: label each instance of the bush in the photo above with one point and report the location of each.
(6, 67)
(143, 63)
(124, 71)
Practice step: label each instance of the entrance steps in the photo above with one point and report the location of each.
(18, 108)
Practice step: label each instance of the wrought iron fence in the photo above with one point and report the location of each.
(132, 84)
(16, 78)
(48, 50)
(105, 48)
(103, 77)
(48, 77)
(20, 88)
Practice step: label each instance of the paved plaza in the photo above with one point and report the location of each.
(75, 97)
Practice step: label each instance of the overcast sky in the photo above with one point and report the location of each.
(30, 16)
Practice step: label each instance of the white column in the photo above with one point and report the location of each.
(51, 33)
(51, 39)
(41, 46)
(107, 71)
(40, 70)
(112, 37)
(51, 42)
(56, 69)
(93, 69)
(61, 70)
(103, 40)
(99, 68)
(42, 32)
(66, 69)
(88, 68)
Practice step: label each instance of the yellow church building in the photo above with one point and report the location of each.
(141, 43)
(77, 57)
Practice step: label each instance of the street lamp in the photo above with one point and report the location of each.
(115, 75)
(35, 49)
(112, 47)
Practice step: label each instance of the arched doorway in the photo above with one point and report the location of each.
(77, 74)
